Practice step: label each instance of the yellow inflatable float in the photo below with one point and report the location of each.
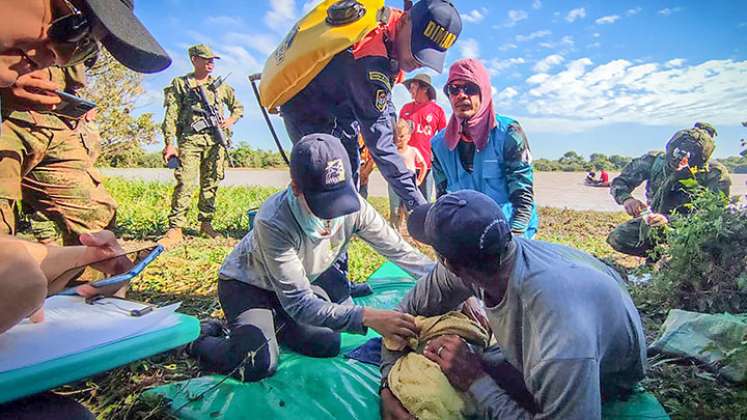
(328, 29)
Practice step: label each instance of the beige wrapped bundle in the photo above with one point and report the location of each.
(419, 383)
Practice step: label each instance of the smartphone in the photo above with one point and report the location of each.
(72, 106)
(126, 267)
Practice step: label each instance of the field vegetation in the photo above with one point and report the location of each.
(188, 274)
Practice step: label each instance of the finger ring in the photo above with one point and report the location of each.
(440, 349)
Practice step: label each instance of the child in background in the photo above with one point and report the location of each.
(414, 161)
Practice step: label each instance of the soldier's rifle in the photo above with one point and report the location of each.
(211, 116)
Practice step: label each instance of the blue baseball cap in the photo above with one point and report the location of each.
(461, 224)
(436, 25)
(320, 167)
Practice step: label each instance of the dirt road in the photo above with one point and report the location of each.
(552, 189)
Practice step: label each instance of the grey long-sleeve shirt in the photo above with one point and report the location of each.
(566, 322)
(276, 255)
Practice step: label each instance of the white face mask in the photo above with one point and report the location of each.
(312, 226)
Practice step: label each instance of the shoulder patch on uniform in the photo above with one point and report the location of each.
(381, 99)
(377, 76)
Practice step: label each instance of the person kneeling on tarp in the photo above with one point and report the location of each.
(271, 288)
(565, 323)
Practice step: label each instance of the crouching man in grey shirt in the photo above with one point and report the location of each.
(275, 287)
(563, 319)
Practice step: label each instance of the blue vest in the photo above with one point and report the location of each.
(488, 174)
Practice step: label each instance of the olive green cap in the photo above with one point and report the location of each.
(707, 127)
(694, 139)
(201, 50)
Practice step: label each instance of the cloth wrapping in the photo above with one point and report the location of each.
(419, 383)
(717, 340)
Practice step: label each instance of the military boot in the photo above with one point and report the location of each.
(206, 228)
(172, 238)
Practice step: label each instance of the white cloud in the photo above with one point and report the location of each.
(668, 11)
(281, 16)
(309, 4)
(506, 47)
(469, 48)
(547, 63)
(594, 45)
(224, 21)
(675, 62)
(606, 20)
(474, 15)
(536, 4)
(198, 37)
(583, 96)
(262, 43)
(515, 16)
(566, 43)
(507, 93)
(634, 11)
(557, 125)
(237, 59)
(505, 97)
(533, 35)
(496, 66)
(575, 14)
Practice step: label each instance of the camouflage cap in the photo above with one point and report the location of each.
(694, 140)
(707, 127)
(201, 50)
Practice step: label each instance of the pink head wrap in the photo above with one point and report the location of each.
(478, 127)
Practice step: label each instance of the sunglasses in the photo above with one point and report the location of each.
(71, 35)
(469, 89)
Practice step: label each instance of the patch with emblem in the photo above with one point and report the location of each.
(334, 172)
(377, 76)
(381, 99)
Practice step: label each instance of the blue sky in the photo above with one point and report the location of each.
(590, 76)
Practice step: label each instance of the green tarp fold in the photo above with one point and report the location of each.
(718, 340)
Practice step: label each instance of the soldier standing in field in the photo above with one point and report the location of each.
(199, 151)
(670, 178)
(56, 179)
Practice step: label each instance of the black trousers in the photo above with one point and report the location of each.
(258, 324)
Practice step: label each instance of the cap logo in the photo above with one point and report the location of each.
(494, 224)
(439, 35)
(334, 173)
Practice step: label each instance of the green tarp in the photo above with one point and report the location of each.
(718, 340)
(336, 388)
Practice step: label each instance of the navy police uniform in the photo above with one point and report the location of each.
(352, 94)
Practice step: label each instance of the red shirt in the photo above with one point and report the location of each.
(428, 119)
(604, 177)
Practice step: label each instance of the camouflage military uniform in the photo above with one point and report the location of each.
(48, 162)
(666, 193)
(198, 152)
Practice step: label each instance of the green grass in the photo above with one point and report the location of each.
(188, 274)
